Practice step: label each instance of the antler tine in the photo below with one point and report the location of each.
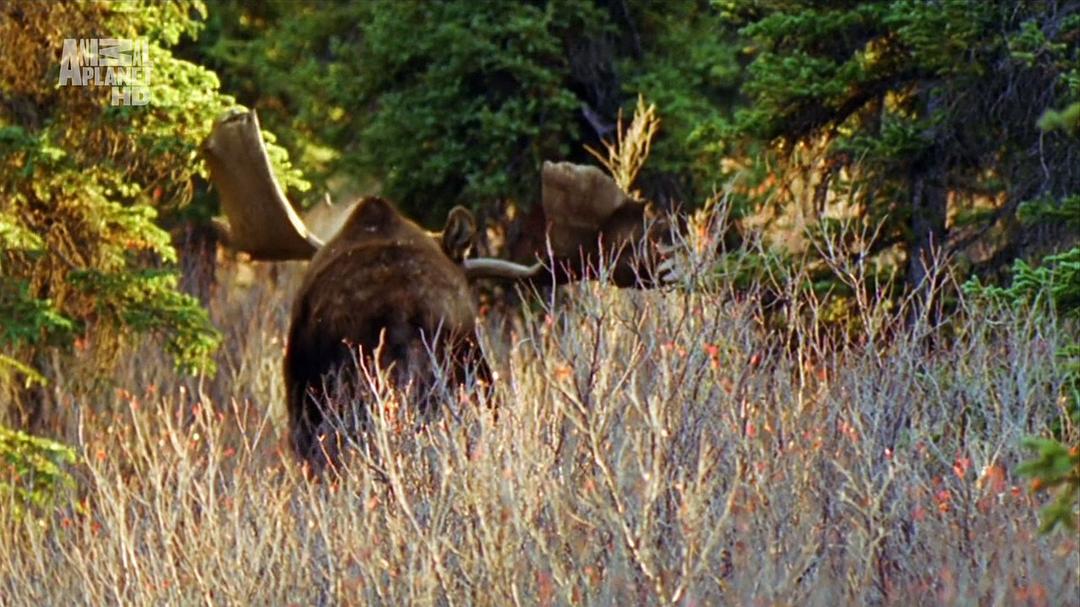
(489, 267)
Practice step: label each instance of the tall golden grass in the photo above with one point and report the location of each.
(625, 157)
(647, 447)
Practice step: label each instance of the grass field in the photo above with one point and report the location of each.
(641, 447)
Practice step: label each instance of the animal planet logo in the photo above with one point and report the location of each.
(120, 63)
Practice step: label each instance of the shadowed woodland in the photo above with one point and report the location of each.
(762, 303)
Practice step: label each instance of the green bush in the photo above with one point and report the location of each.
(1055, 467)
(32, 469)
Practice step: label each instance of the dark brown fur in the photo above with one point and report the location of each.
(383, 284)
(630, 253)
(629, 239)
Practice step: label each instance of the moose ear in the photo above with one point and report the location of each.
(457, 235)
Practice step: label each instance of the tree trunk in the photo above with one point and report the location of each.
(929, 207)
(198, 260)
(929, 200)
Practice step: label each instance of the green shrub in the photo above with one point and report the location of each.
(32, 469)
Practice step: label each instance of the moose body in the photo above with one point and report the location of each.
(382, 291)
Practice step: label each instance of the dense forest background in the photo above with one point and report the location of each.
(948, 130)
(942, 126)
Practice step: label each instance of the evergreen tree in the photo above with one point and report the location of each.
(453, 103)
(83, 184)
(923, 113)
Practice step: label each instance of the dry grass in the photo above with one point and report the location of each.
(627, 155)
(650, 447)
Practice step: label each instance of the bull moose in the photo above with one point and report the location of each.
(385, 290)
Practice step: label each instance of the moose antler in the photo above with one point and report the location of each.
(578, 200)
(261, 221)
(489, 267)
